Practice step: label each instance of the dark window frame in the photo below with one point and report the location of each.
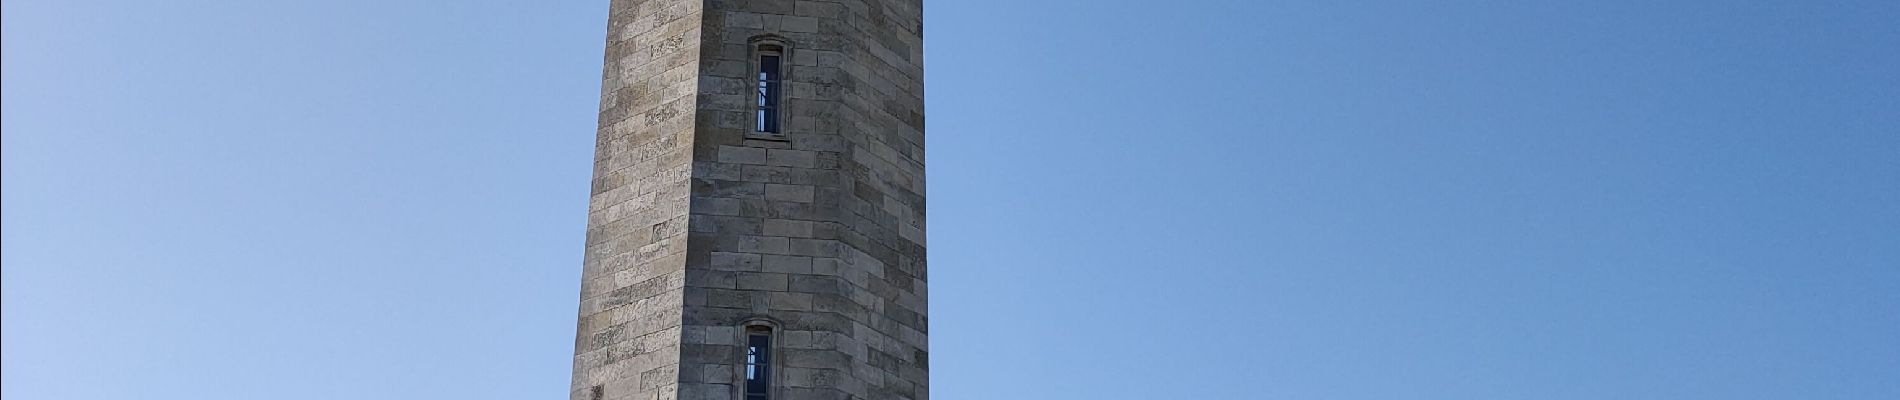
(771, 92)
(770, 86)
(756, 370)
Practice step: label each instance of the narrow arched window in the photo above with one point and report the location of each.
(771, 61)
(758, 362)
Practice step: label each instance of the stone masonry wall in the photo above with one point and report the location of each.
(819, 231)
(627, 340)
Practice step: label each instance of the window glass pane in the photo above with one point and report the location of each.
(768, 120)
(755, 386)
(751, 362)
(757, 344)
(768, 68)
(758, 371)
(768, 95)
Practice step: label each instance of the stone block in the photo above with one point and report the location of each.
(791, 193)
(741, 155)
(787, 228)
(787, 264)
(762, 281)
(791, 158)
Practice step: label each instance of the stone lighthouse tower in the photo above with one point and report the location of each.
(756, 226)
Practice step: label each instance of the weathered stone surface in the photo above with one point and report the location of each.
(698, 225)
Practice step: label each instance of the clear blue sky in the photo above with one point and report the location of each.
(357, 199)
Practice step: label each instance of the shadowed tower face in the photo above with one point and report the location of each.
(756, 227)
